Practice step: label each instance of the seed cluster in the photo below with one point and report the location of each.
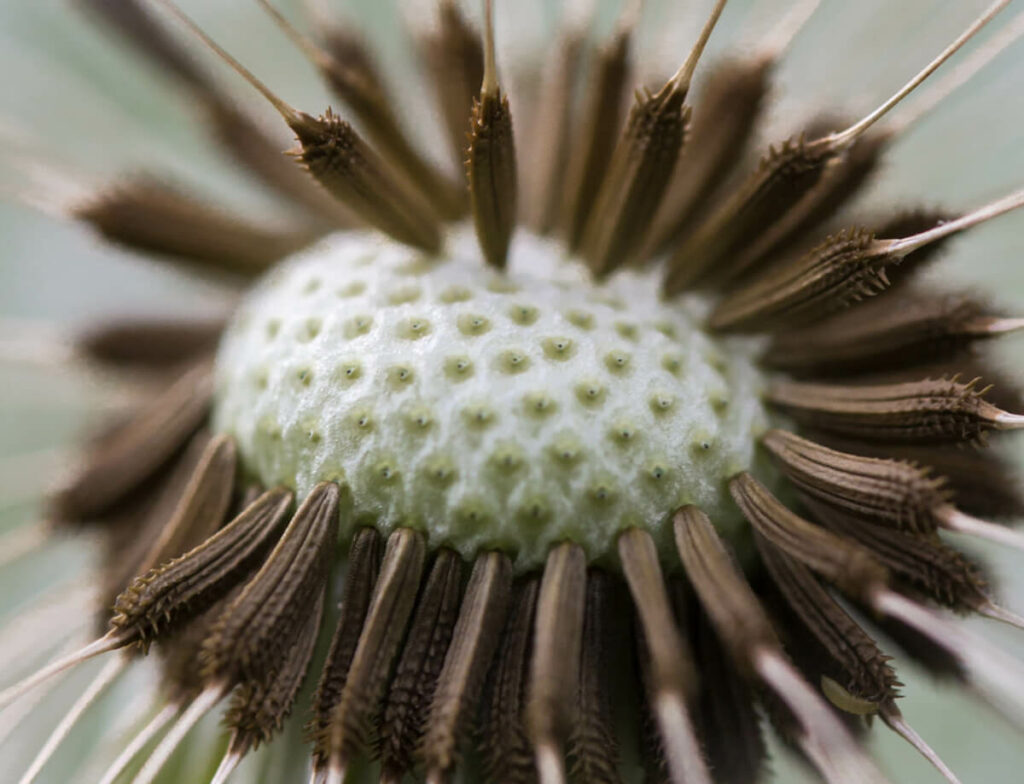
(485, 410)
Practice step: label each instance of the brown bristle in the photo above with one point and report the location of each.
(505, 747)
(358, 82)
(460, 683)
(599, 123)
(353, 721)
(155, 602)
(360, 578)
(137, 448)
(853, 569)
(148, 343)
(411, 689)
(152, 217)
(454, 55)
(933, 411)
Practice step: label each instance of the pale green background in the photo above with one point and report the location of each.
(94, 110)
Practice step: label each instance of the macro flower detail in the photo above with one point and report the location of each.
(587, 458)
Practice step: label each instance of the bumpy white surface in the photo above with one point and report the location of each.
(513, 410)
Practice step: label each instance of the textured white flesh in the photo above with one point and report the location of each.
(487, 409)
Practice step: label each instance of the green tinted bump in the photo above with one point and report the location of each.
(566, 450)
(349, 372)
(507, 457)
(311, 427)
(454, 294)
(617, 361)
(273, 327)
(310, 329)
(502, 286)
(400, 375)
(479, 416)
(419, 419)
(472, 324)
(657, 470)
(304, 376)
(666, 328)
(473, 514)
(590, 393)
(361, 419)
(353, 289)
(513, 361)
(627, 330)
(385, 471)
(581, 319)
(603, 492)
(662, 402)
(312, 285)
(439, 470)
(404, 295)
(533, 511)
(673, 363)
(414, 328)
(458, 368)
(357, 326)
(524, 315)
(623, 432)
(539, 404)
(559, 349)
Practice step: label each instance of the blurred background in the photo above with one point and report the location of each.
(72, 97)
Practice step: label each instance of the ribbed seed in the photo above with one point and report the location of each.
(160, 600)
(256, 631)
(898, 331)
(593, 747)
(932, 411)
(202, 506)
(723, 123)
(454, 56)
(155, 218)
(430, 633)
(845, 268)
(355, 78)
(670, 676)
(867, 674)
(892, 492)
(349, 170)
(554, 130)
(360, 578)
(129, 343)
(599, 125)
(784, 175)
(724, 594)
(853, 569)
(491, 173)
(474, 641)
(555, 662)
(925, 562)
(505, 748)
(726, 714)
(353, 721)
(137, 448)
(638, 174)
(259, 708)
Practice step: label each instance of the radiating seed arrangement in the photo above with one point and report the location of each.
(532, 507)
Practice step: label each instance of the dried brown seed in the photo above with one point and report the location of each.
(354, 718)
(474, 641)
(356, 79)
(641, 167)
(867, 675)
(554, 667)
(155, 343)
(891, 492)
(454, 56)
(896, 331)
(137, 448)
(255, 632)
(156, 602)
(671, 679)
(158, 219)
(848, 566)
(505, 747)
(360, 578)
(932, 411)
(491, 162)
(600, 121)
(411, 689)
(593, 747)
